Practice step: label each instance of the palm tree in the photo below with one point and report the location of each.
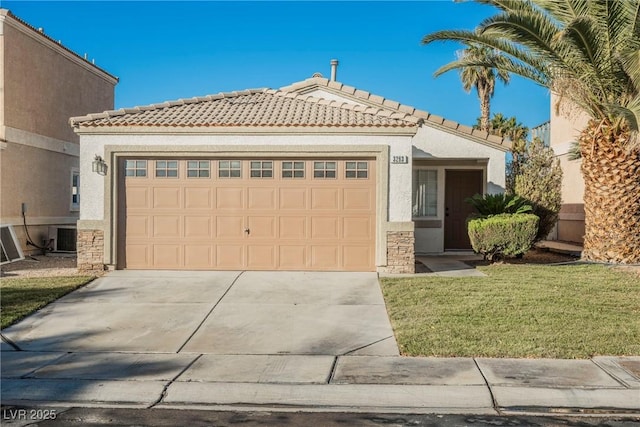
(517, 133)
(482, 78)
(588, 52)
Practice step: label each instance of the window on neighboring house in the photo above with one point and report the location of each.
(262, 169)
(229, 169)
(135, 168)
(166, 168)
(293, 169)
(356, 170)
(425, 193)
(75, 190)
(324, 169)
(198, 168)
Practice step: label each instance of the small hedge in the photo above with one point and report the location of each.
(502, 235)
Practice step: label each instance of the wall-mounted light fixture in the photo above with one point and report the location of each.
(99, 166)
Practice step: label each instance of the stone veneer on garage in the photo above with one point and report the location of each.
(90, 250)
(400, 252)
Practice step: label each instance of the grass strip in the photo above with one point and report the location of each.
(20, 297)
(563, 311)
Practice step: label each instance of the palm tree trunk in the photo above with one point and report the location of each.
(485, 109)
(612, 195)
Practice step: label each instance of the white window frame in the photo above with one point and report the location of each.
(414, 191)
(74, 207)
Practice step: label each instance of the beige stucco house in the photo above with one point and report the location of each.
(565, 127)
(317, 175)
(42, 84)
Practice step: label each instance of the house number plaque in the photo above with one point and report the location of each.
(399, 160)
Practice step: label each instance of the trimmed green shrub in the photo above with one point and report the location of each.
(502, 235)
(496, 204)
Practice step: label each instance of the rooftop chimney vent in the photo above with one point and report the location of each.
(334, 69)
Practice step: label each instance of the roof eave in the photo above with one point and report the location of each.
(247, 130)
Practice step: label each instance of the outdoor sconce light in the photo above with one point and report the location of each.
(99, 166)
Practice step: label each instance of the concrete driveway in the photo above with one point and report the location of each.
(305, 313)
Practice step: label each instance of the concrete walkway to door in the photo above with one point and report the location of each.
(303, 313)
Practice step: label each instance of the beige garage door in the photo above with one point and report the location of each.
(246, 214)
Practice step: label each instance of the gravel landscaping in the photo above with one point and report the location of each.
(42, 266)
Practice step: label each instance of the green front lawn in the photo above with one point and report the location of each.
(568, 311)
(20, 297)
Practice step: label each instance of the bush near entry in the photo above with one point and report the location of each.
(502, 235)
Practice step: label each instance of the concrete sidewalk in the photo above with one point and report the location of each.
(602, 385)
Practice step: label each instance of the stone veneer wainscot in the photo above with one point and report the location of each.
(90, 250)
(400, 252)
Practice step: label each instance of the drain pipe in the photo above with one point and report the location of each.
(334, 69)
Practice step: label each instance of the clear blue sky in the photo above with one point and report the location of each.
(164, 50)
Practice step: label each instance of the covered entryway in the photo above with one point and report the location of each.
(459, 184)
(247, 214)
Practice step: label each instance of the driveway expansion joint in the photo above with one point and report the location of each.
(163, 393)
(8, 341)
(494, 401)
(210, 312)
(365, 346)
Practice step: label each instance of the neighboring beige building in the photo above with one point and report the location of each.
(564, 132)
(42, 84)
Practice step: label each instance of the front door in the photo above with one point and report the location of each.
(459, 184)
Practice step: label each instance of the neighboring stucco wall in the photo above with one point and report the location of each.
(440, 150)
(564, 131)
(394, 189)
(41, 85)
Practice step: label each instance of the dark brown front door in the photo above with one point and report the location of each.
(459, 184)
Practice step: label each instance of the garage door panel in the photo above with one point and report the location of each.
(229, 256)
(292, 257)
(261, 257)
(325, 257)
(261, 227)
(358, 228)
(325, 198)
(198, 198)
(137, 198)
(167, 256)
(167, 226)
(230, 227)
(357, 257)
(229, 198)
(292, 199)
(198, 256)
(138, 226)
(357, 199)
(293, 227)
(138, 256)
(198, 227)
(166, 198)
(261, 198)
(325, 227)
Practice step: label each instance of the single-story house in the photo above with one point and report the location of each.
(313, 176)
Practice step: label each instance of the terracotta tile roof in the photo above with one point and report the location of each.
(369, 99)
(255, 108)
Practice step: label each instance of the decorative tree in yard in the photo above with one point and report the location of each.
(515, 132)
(588, 52)
(482, 78)
(539, 181)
